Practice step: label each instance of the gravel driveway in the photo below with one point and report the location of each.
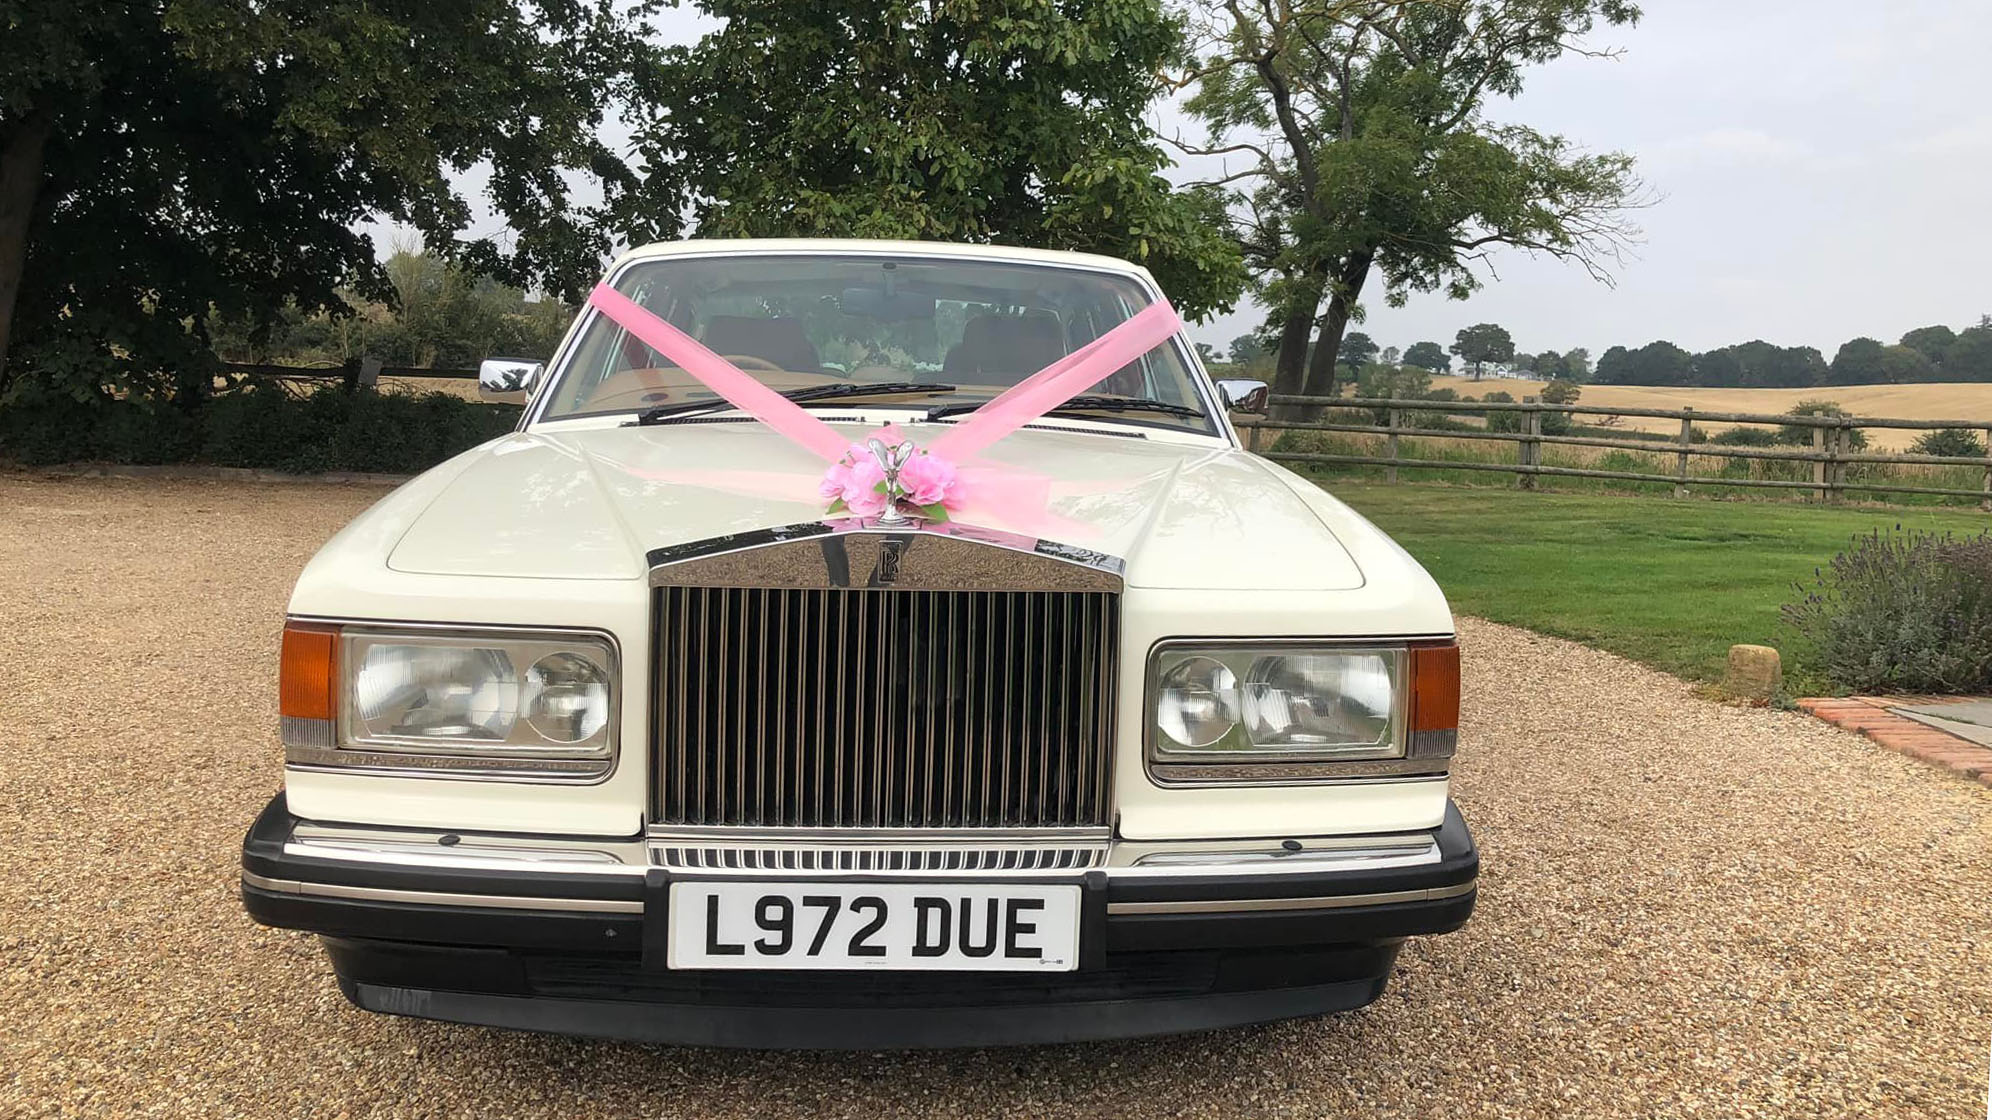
(1687, 910)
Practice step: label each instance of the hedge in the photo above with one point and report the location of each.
(263, 425)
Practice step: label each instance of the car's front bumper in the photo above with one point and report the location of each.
(567, 936)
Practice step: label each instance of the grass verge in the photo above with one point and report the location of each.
(1669, 583)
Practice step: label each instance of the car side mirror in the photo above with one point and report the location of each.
(507, 380)
(1243, 395)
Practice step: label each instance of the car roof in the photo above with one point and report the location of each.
(748, 246)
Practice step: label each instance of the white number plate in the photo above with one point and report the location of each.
(874, 925)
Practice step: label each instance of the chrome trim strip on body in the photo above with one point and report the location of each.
(763, 854)
(635, 906)
(442, 898)
(1319, 902)
(682, 834)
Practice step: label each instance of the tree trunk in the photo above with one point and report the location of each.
(1290, 363)
(1346, 289)
(21, 147)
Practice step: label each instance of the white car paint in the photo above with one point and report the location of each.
(549, 526)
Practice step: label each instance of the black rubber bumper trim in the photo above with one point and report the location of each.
(862, 1028)
(263, 855)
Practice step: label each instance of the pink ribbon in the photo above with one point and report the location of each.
(1019, 496)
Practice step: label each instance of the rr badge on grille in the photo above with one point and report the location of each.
(891, 550)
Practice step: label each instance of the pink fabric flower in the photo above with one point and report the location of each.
(927, 479)
(856, 481)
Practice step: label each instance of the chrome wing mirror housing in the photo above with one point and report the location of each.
(1242, 394)
(507, 380)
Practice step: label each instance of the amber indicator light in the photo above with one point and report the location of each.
(1435, 687)
(306, 680)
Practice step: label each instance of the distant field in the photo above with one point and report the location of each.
(1942, 401)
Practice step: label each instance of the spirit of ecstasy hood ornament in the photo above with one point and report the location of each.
(891, 460)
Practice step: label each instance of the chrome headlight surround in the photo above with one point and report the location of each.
(1281, 699)
(529, 704)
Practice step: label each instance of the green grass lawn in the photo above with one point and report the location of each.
(1671, 583)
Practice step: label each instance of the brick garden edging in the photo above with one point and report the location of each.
(1869, 716)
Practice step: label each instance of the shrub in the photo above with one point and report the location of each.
(1749, 437)
(1908, 612)
(263, 425)
(1500, 420)
(1960, 442)
(1802, 433)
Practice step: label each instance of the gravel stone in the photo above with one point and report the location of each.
(1687, 909)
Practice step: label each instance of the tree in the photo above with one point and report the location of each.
(1365, 143)
(1970, 357)
(1716, 369)
(1021, 123)
(1246, 348)
(1656, 363)
(1561, 392)
(1905, 365)
(1931, 342)
(161, 162)
(1483, 343)
(1763, 365)
(1427, 355)
(1358, 350)
(1208, 353)
(1858, 362)
(1389, 356)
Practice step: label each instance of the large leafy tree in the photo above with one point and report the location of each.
(1482, 343)
(1358, 350)
(1365, 145)
(1427, 355)
(954, 120)
(166, 161)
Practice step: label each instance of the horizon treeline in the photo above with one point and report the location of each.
(1926, 354)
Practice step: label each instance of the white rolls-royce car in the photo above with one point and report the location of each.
(864, 644)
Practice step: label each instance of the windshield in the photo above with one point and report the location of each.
(807, 322)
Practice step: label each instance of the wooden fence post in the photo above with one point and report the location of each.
(1836, 445)
(1681, 465)
(1529, 451)
(1819, 477)
(1986, 505)
(1397, 421)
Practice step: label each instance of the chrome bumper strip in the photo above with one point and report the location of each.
(621, 906)
(1318, 902)
(443, 898)
(759, 855)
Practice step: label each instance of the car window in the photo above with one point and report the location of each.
(797, 321)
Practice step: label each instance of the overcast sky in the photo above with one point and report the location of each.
(1822, 169)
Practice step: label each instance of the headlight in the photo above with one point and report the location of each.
(493, 703)
(1277, 711)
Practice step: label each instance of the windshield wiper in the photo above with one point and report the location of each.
(665, 413)
(1084, 404)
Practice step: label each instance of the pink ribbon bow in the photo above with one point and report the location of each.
(877, 476)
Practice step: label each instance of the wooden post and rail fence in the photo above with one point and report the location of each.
(1831, 453)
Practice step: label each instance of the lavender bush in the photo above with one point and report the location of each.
(1908, 612)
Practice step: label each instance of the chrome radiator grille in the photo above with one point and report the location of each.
(782, 707)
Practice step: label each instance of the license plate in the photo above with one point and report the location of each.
(874, 925)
